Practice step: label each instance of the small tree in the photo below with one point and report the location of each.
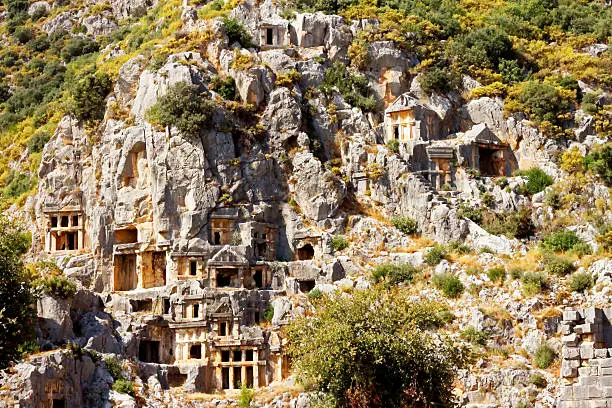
(406, 225)
(17, 314)
(376, 348)
(89, 94)
(185, 107)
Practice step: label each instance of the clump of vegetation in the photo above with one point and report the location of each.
(600, 162)
(226, 88)
(515, 224)
(38, 141)
(269, 313)
(435, 255)
(113, 366)
(538, 380)
(497, 274)
(16, 296)
(581, 281)
(459, 247)
(315, 294)
(544, 356)
(350, 344)
(406, 225)
(561, 241)
(537, 180)
(236, 32)
(393, 146)
(288, 79)
(339, 242)
(354, 88)
(474, 336)
(246, 396)
(440, 80)
(58, 286)
(533, 283)
(516, 273)
(395, 274)
(541, 101)
(558, 264)
(185, 107)
(89, 94)
(449, 284)
(124, 387)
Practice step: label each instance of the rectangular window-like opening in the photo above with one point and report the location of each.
(176, 379)
(125, 276)
(258, 278)
(195, 351)
(227, 278)
(148, 351)
(196, 311)
(59, 403)
(53, 222)
(64, 221)
(237, 355)
(269, 36)
(249, 377)
(237, 377)
(217, 238)
(249, 355)
(144, 305)
(222, 329)
(126, 236)
(396, 132)
(166, 306)
(75, 220)
(225, 378)
(225, 356)
(193, 268)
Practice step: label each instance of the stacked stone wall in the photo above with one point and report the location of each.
(586, 365)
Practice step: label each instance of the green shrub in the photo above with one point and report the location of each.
(236, 32)
(77, 46)
(183, 106)
(533, 283)
(23, 34)
(59, 286)
(474, 336)
(516, 273)
(589, 103)
(557, 264)
(440, 80)
(537, 180)
(544, 356)
(226, 88)
(581, 281)
(89, 94)
(581, 248)
(393, 146)
(406, 225)
(470, 212)
(76, 350)
(600, 162)
(124, 387)
(269, 313)
(497, 274)
(315, 294)
(355, 89)
(560, 241)
(538, 380)
(113, 366)
(482, 47)
(435, 255)
(541, 101)
(17, 184)
(38, 141)
(487, 199)
(339, 242)
(459, 247)
(513, 224)
(449, 284)
(394, 274)
(246, 396)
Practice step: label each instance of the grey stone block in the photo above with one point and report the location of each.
(605, 371)
(587, 351)
(568, 404)
(588, 373)
(567, 393)
(571, 315)
(565, 329)
(598, 403)
(607, 392)
(605, 362)
(594, 391)
(569, 372)
(570, 353)
(605, 381)
(586, 328)
(570, 340)
(601, 353)
(580, 392)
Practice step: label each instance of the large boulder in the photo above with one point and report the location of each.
(54, 319)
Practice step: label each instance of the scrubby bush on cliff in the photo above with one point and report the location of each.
(236, 32)
(406, 225)
(558, 264)
(561, 241)
(537, 180)
(448, 284)
(124, 387)
(339, 242)
(435, 255)
(600, 162)
(581, 281)
(541, 101)
(226, 88)
(482, 47)
(354, 88)
(394, 274)
(440, 80)
(17, 315)
(58, 286)
(185, 107)
(544, 356)
(89, 94)
(533, 283)
(376, 348)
